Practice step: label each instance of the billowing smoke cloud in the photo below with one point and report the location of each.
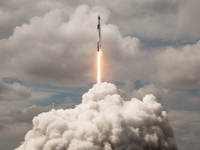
(103, 121)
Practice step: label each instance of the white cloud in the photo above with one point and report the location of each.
(179, 68)
(52, 51)
(103, 117)
(156, 90)
(67, 103)
(152, 20)
(188, 22)
(11, 138)
(185, 123)
(170, 99)
(15, 121)
(13, 92)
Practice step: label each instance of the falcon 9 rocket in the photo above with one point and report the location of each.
(98, 35)
(99, 51)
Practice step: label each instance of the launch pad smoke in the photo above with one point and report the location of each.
(103, 121)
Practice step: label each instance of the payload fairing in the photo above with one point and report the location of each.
(98, 35)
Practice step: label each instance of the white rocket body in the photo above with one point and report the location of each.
(98, 35)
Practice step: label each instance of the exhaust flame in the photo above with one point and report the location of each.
(99, 67)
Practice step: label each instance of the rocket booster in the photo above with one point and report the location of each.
(98, 35)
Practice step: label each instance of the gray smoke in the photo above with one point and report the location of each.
(103, 121)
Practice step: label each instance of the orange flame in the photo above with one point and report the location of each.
(99, 67)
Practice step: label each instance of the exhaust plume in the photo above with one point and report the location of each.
(99, 67)
(103, 121)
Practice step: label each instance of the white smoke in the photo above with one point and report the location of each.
(103, 121)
